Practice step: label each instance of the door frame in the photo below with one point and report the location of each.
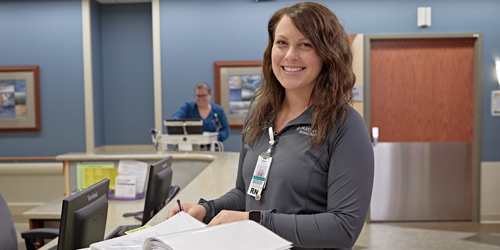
(476, 142)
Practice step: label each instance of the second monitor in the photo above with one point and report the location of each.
(159, 182)
(157, 193)
(184, 127)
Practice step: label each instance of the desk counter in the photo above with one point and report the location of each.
(217, 179)
(70, 161)
(213, 181)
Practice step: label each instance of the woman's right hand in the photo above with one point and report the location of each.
(195, 210)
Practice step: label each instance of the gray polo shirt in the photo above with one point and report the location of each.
(321, 196)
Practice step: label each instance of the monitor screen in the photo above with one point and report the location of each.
(159, 181)
(83, 218)
(184, 126)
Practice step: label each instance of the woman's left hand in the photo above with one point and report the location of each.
(228, 216)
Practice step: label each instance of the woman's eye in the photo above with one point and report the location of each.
(280, 43)
(308, 45)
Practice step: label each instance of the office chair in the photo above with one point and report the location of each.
(8, 237)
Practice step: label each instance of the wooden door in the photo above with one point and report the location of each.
(422, 89)
(422, 101)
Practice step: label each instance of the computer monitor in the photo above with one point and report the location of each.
(83, 218)
(184, 126)
(158, 190)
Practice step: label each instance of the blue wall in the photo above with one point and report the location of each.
(48, 34)
(98, 86)
(194, 34)
(127, 57)
(197, 33)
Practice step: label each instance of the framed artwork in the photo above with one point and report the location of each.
(234, 86)
(19, 99)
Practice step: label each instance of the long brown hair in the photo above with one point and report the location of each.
(333, 88)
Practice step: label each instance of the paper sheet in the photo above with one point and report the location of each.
(241, 235)
(93, 175)
(179, 223)
(79, 171)
(135, 168)
(125, 186)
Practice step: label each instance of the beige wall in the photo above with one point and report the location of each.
(490, 187)
(28, 185)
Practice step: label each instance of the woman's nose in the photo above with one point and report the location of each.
(292, 54)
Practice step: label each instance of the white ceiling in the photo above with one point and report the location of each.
(122, 1)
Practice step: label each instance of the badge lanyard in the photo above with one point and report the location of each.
(259, 177)
(217, 123)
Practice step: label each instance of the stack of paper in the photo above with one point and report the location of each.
(183, 232)
(241, 235)
(179, 223)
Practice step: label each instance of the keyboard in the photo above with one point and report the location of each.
(120, 231)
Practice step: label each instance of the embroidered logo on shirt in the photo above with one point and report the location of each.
(305, 130)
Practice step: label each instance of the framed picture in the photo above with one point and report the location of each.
(235, 83)
(19, 99)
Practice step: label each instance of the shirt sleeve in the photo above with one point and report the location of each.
(232, 200)
(224, 130)
(182, 112)
(350, 180)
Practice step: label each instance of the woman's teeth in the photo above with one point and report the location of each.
(292, 69)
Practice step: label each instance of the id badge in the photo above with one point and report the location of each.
(259, 178)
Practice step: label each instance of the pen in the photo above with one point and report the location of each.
(179, 203)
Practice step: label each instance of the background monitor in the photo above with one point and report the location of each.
(83, 218)
(184, 126)
(158, 190)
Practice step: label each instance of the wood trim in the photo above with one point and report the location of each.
(43, 158)
(351, 37)
(35, 223)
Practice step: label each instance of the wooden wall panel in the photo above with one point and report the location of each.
(422, 89)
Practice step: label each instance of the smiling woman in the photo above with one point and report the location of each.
(313, 148)
(295, 62)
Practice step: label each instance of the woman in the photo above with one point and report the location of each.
(214, 118)
(319, 182)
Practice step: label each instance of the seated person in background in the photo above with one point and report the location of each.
(214, 118)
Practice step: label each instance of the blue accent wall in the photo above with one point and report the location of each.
(127, 58)
(194, 34)
(98, 84)
(47, 34)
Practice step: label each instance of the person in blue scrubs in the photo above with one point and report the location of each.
(214, 118)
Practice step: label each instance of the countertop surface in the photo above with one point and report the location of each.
(215, 180)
